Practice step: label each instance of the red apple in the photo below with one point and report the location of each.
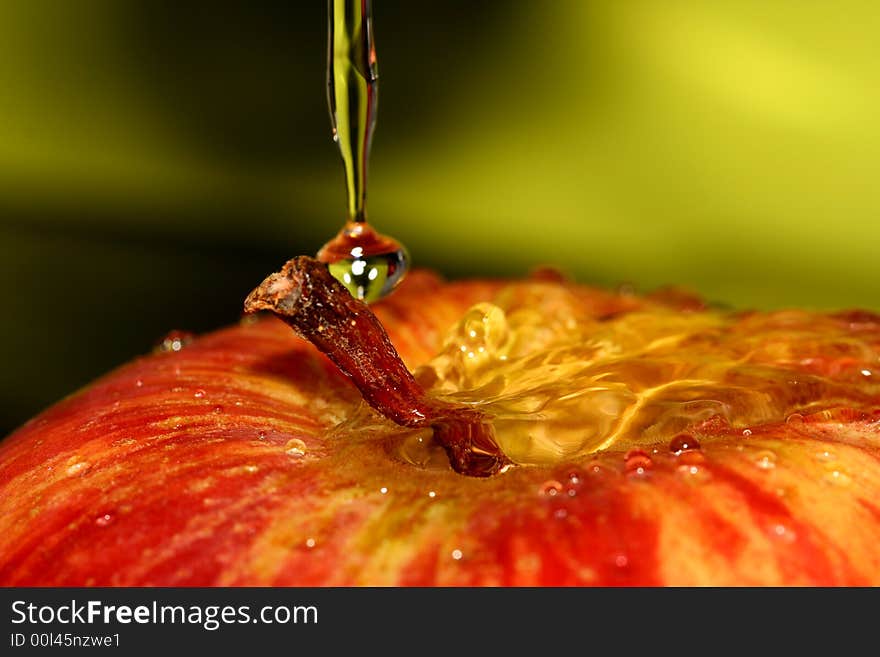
(219, 463)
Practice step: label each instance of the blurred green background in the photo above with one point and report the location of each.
(157, 158)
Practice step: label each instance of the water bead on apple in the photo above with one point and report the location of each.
(370, 265)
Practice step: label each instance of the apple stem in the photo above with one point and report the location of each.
(319, 309)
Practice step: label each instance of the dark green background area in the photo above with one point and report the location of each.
(158, 158)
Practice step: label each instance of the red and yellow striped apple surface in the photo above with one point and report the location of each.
(223, 463)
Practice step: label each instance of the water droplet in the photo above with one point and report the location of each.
(637, 462)
(683, 442)
(826, 455)
(262, 435)
(420, 449)
(783, 533)
(747, 432)
(866, 372)
(198, 394)
(837, 477)
(432, 494)
(368, 264)
(383, 490)
(104, 520)
(175, 341)
(77, 467)
(621, 561)
(572, 492)
(457, 555)
(560, 514)
(574, 477)
(691, 457)
(295, 447)
(595, 469)
(550, 488)
(694, 473)
(217, 410)
(139, 383)
(250, 468)
(794, 418)
(310, 543)
(765, 459)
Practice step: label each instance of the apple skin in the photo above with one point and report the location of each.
(178, 470)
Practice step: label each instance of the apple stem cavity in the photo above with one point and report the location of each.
(321, 310)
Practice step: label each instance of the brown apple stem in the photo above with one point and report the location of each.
(319, 309)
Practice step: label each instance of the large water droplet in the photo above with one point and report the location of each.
(368, 264)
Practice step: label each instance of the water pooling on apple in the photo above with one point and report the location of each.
(537, 376)
(558, 384)
(370, 265)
